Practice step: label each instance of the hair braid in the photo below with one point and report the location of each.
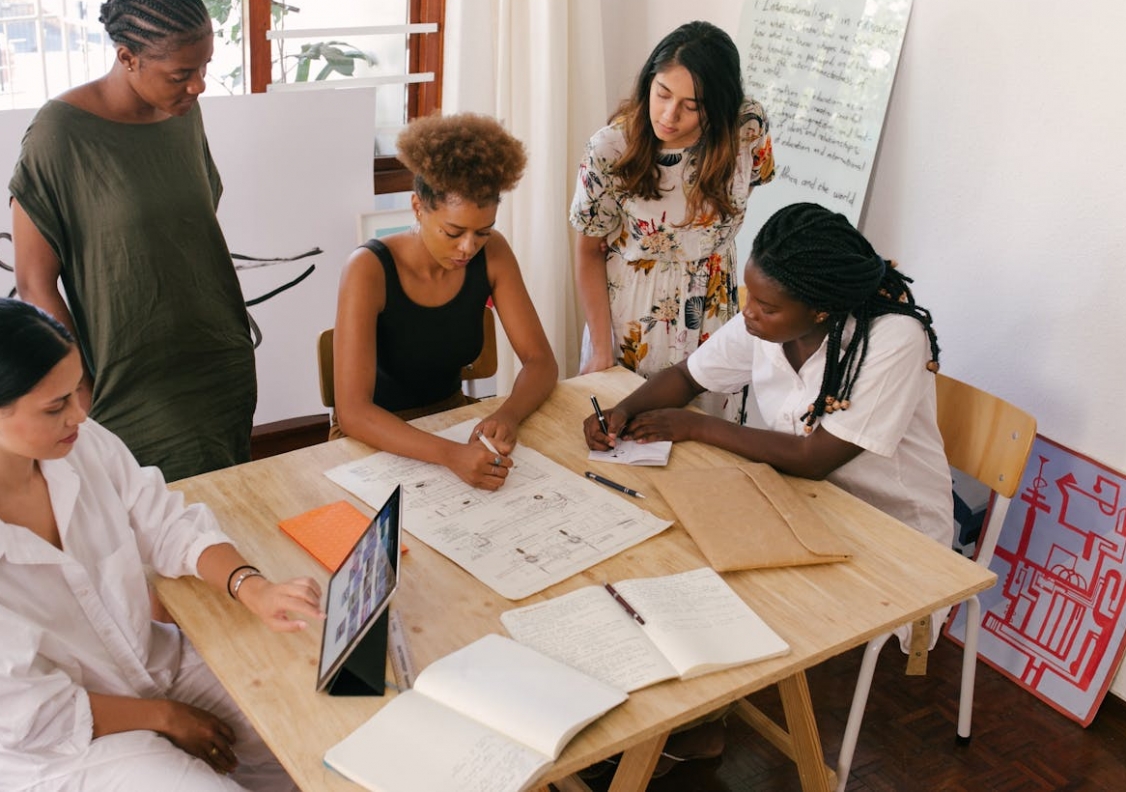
(142, 25)
(824, 262)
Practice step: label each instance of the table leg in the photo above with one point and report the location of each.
(636, 765)
(798, 706)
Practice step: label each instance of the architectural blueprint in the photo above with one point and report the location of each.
(545, 524)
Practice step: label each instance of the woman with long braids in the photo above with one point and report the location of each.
(838, 357)
(661, 194)
(115, 193)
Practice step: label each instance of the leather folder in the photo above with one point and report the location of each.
(748, 517)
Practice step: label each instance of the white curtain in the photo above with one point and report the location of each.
(537, 65)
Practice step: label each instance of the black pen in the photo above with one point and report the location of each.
(601, 417)
(613, 484)
(622, 601)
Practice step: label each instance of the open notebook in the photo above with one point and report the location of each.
(490, 716)
(694, 624)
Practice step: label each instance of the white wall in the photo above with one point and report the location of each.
(1001, 187)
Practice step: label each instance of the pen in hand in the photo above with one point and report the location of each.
(613, 484)
(599, 415)
(622, 601)
(489, 445)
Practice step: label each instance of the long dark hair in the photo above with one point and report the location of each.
(31, 344)
(146, 25)
(712, 59)
(823, 261)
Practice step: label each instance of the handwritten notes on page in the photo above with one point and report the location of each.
(824, 73)
(631, 452)
(694, 624)
(544, 525)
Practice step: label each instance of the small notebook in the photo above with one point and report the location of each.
(749, 517)
(630, 452)
(327, 533)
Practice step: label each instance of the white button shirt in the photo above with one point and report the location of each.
(78, 619)
(902, 470)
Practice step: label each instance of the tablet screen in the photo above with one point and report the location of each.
(360, 590)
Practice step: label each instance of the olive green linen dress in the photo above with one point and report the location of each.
(129, 210)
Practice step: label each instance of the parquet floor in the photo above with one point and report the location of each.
(907, 741)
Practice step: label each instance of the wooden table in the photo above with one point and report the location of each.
(896, 575)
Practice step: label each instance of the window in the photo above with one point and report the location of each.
(48, 46)
(397, 48)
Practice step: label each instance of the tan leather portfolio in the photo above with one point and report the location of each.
(748, 517)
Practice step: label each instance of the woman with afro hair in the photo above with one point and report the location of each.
(410, 305)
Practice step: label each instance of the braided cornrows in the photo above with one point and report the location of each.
(141, 24)
(824, 262)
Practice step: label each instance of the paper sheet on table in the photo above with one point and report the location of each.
(543, 526)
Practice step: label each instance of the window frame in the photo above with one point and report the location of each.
(425, 55)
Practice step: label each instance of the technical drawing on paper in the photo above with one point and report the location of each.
(544, 525)
(1054, 621)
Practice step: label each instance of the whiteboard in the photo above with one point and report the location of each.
(824, 72)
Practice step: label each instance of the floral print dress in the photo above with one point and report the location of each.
(671, 285)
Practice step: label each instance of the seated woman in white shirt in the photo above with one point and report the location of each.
(95, 694)
(839, 360)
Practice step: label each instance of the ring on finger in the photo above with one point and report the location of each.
(214, 751)
(496, 461)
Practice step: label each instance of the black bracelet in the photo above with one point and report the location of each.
(231, 577)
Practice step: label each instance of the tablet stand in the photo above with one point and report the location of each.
(364, 672)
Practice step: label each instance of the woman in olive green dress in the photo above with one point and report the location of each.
(115, 193)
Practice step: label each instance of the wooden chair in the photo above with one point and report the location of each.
(483, 367)
(989, 439)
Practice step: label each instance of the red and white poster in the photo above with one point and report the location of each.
(1054, 622)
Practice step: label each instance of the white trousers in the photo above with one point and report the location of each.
(141, 761)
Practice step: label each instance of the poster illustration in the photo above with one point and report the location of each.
(1054, 622)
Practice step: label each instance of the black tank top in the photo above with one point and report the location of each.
(420, 350)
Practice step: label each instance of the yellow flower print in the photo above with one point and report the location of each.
(633, 350)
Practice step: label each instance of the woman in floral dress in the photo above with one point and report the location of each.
(660, 197)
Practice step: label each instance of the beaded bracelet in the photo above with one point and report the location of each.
(242, 578)
(234, 572)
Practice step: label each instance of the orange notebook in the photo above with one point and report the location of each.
(328, 532)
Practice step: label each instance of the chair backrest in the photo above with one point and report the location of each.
(985, 436)
(324, 367)
(483, 367)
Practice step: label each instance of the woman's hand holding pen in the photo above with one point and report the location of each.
(480, 462)
(598, 440)
(500, 432)
(274, 602)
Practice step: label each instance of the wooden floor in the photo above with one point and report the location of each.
(907, 741)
